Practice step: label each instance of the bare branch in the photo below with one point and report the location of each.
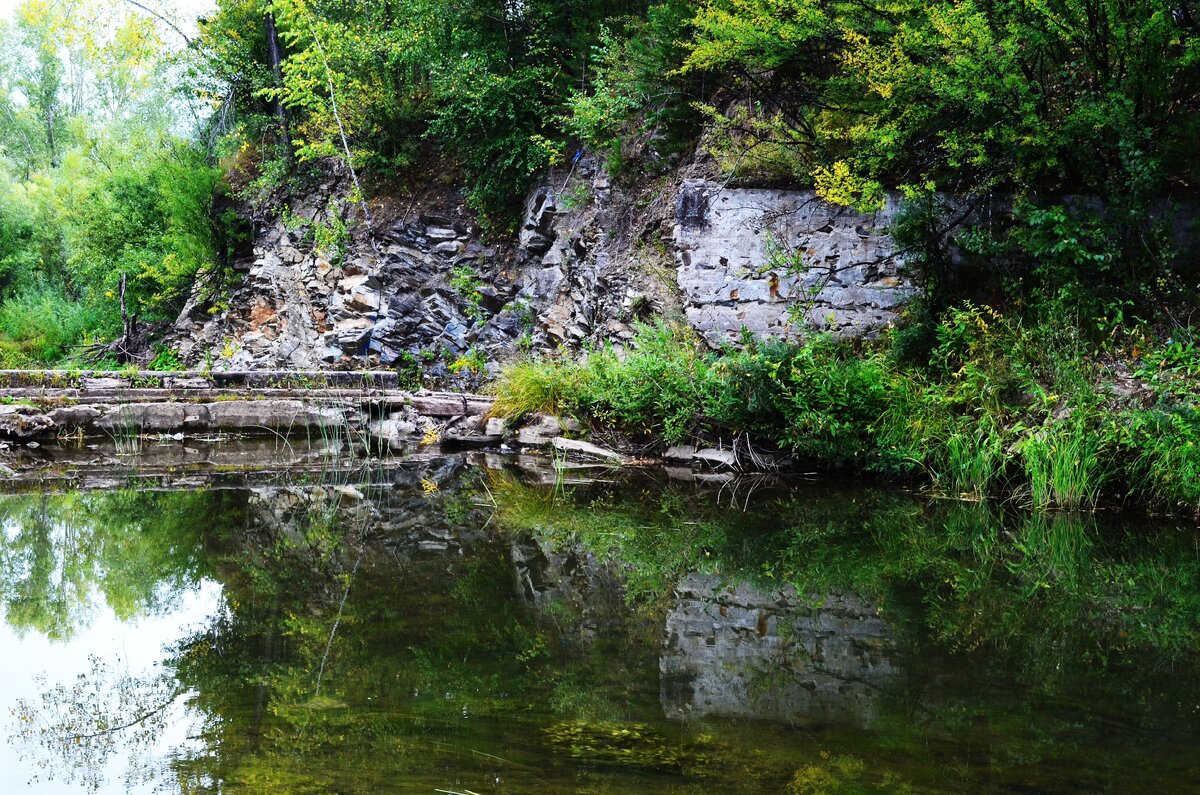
(187, 39)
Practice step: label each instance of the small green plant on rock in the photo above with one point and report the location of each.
(576, 198)
(165, 359)
(409, 371)
(473, 361)
(465, 281)
(331, 238)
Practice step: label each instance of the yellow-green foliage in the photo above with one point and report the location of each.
(832, 774)
(640, 746)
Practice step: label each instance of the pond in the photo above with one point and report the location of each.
(458, 624)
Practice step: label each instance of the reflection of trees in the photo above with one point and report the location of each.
(137, 550)
(72, 730)
(1030, 635)
(434, 653)
(44, 585)
(435, 669)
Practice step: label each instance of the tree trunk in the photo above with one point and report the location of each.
(275, 61)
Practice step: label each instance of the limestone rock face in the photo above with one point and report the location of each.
(741, 651)
(588, 261)
(771, 261)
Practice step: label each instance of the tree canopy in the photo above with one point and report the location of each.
(116, 127)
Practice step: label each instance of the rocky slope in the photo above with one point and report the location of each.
(427, 289)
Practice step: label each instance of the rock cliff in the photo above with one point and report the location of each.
(588, 260)
(774, 262)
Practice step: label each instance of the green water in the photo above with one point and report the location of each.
(449, 628)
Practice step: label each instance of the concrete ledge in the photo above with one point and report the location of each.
(48, 403)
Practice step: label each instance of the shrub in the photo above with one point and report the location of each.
(42, 325)
(652, 389)
(655, 388)
(1163, 449)
(820, 399)
(165, 359)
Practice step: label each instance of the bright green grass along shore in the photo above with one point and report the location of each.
(984, 406)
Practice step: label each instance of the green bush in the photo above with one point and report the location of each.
(165, 359)
(820, 399)
(637, 93)
(1001, 405)
(43, 325)
(1163, 453)
(656, 388)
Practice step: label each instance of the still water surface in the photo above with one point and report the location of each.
(446, 627)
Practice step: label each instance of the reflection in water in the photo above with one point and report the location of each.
(745, 652)
(455, 628)
(74, 729)
(135, 552)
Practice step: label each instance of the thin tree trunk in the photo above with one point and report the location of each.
(275, 61)
(50, 141)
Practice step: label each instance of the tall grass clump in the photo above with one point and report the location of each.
(1062, 464)
(534, 386)
(973, 460)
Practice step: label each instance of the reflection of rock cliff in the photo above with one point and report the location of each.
(402, 518)
(744, 652)
(570, 582)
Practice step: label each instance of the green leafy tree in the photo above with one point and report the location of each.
(483, 83)
(96, 179)
(635, 94)
(1035, 101)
